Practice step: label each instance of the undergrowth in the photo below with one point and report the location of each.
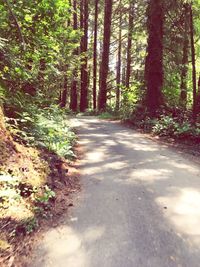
(168, 125)
(47, 128)
(41, 141)
(108, 115)
(175, 124)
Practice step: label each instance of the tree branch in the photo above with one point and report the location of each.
(17, 25)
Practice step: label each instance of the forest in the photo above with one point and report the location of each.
(130, 58)
(133, 60)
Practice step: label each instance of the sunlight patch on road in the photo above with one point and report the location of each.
(149, 175)
(74, 122)
(184, 166)
(110, 142)
(116, 165)
(58, 237)
(93, 233)
(139, 146)
(183, 210)
(63, 246)
(96, 156)
(126, 134)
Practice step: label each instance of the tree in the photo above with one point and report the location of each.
(63, 100)
(105, 55)
(73, 92)
(21, 37)
(129, 46)
(185, 59)
(154, 58)
(118, 76)
(95, 56)
(84, 48)
(194, 79)
(134, 53)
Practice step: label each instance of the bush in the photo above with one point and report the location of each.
(168, 126)
(47, 128)
(165, 126)
(108, 115)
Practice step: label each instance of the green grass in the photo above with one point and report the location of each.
(108, 116)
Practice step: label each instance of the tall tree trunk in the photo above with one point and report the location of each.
(100, 53)
(130, 32)
(73, 92)
(124, 71)
(194, 79)
(118, 77)
(198, 98)
(63, 100)
(184, 70)
(84, 48)
(105, 55)
(64, 92)
(154, 59)
(95, 56)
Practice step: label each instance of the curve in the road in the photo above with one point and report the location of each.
(139, 207)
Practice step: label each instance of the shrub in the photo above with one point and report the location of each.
(47, 128)
(165, 126)
(168, 126)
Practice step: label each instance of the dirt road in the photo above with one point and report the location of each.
(139, 206)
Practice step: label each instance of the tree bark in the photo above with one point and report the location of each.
(194, 79)
(154, 60)
(73, 92)
(184, 70)
(130, 32)
(105, 55)
(118, 76)
(95, 56)
(64, 93)
(84, 48)
(198, 97)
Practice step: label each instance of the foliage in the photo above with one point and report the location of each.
(47, 128)
(31, 225)
(43, 195)
(37, 51)
(165, 126)
(8, 192)
(13, 194)
(130, 99)
(108, 115)
(169, 126)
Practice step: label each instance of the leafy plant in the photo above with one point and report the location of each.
(47, 128)
(169, 126)
(165, 126)
(44, 195)
(28, 225)
(108, 115)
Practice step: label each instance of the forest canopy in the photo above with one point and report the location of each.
(135, 58)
